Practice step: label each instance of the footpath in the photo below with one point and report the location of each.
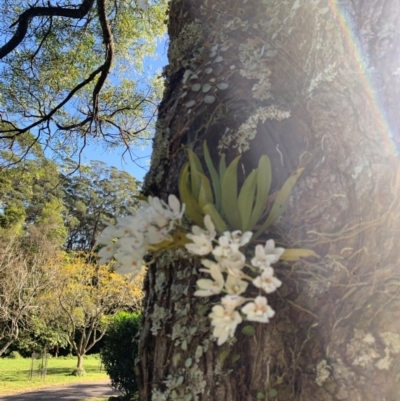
(70, 392)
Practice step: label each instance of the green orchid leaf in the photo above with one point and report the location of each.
(223, 355)
(205, 194)
(229, 195)
(195, 165)
(249, 330)
(222, 168)
(216, 183)
(140, 197)
(192, 210)
(281, 202)
(235, 358)
(291, 255)
(216, 218)
(246, 200)
(264, 178)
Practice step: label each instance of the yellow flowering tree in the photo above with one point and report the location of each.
(83, 298)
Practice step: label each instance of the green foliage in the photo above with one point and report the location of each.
(120, 350)
(51, 216)
(228, 206)
(42, 334)
(12, 216)
(29, 191)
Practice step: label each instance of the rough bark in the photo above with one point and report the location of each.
(333, 66)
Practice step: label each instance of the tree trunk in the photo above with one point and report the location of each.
(5, 346)
(333, 66)
(80, 362)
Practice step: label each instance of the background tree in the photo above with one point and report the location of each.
(313, 85)
(96, 194)
(29, 191)
(94, 94)
(84, 297)
(42, 334)
(22, 280)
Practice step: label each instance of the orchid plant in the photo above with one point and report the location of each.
(231, 274)
(152, 224)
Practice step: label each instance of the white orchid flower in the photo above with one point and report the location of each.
(236, 237)
(267, 281)
(270, 249)
(225, 322)
(259, 310)
(201, 245)
(262, 259)
(235, 286)
(209, 287)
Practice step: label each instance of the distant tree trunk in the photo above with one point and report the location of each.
(5, 346)
(334, 66)
(80, 362)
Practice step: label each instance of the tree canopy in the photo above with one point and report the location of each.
(71, 72)
(95, 195)
(82, 297)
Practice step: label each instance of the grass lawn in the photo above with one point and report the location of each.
(14, 373)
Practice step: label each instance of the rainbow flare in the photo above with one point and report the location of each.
(354, 47)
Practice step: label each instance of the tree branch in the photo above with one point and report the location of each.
(109, 45)
(56, 108)
(25, 18)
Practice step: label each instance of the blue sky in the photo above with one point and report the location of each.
(140, 155)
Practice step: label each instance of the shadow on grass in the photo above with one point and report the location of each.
(50, 372)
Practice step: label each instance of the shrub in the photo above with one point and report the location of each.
(14, 355)
(119, 351)
(78, 372)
